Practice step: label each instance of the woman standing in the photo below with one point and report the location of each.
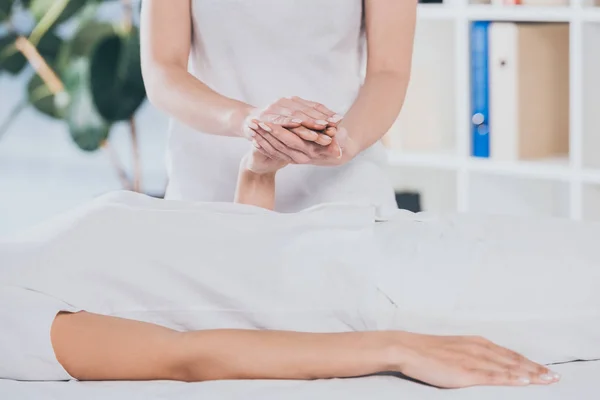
(285, 76)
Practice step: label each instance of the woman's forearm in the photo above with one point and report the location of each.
(175, 91)
(165, 50)
(390, 28)
(97, 347)
(375, 110)
(247, 354)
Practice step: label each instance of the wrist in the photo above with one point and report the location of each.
(239, 119)
(397, 351)
(253, 176)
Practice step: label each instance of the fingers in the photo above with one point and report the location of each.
(312, 136)
(331, 116)
(280, 141)
(317, 124)
(265, 147)
(323, 140)
(510, 367)
(508, 378)
(305, 134)
(331, 131)
(511, 358)
(283, 120)
(310, 116)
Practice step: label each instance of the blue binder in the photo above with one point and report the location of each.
(480, 93)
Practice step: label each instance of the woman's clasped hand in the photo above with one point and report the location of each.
(297, 131)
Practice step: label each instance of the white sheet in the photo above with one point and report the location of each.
(580, 382)
(530, 285)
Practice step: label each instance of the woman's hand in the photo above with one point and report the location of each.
(296, 112)
(294, 130)
(463, 361)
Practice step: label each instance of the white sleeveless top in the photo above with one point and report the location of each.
(258, 51)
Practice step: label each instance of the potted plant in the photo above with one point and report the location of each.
(90, 79)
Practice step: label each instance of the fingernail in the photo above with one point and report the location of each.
(265, 127)
(255, 144)
(321, 122)
(297, 121)
(524, 381)
(326, 139)
(336, 118)
(341, 153)
(547, 377)
(555, 375)
(253, 125)
(252, 133)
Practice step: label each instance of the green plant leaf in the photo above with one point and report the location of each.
(39, 8)
(117, 84)
(5, 9)
(88, 36)
(11, 60)
(87, 127)
(50, 46)
(42, 99)
(84, 41)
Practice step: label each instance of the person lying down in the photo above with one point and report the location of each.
(133, 288)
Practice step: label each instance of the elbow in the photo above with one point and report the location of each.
(158, 81)
(395, 76)
(154, 89)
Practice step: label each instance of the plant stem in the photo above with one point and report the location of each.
(127, 15)
(118, 166)
(40, 65)
(12, 117)
(47, 21)
(137, 166)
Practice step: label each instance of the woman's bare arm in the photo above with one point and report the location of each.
(390, 26)
(166, 38)
(94, 347)
(255, 189)
(256, 179)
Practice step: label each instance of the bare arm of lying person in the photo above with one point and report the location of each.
(97, 347)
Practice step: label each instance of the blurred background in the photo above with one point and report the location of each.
(501, 115)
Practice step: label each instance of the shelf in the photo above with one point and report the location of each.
(552, 169)
(591, 176)
(591, 14)
(510, 195)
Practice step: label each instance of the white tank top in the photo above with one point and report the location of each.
(258, 51)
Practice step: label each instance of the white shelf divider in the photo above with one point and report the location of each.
(566, 170)
(576, 111)
(462, 105)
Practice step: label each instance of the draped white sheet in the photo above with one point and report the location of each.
(531, 285)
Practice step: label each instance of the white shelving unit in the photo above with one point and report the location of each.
(573, 174)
